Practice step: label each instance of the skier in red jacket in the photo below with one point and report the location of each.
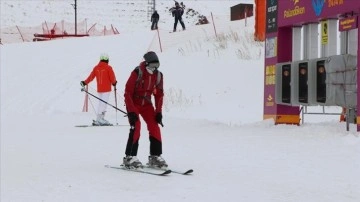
(144, 82)
(105, 77)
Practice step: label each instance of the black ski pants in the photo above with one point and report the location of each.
(181, 22)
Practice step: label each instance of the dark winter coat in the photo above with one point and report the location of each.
(177, 12)
(155, 17)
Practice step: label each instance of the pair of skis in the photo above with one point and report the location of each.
(96, 125)
(152, 170)
(85, 126)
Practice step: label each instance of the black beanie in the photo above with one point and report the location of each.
(151, 57)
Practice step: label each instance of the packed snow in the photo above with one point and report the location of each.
(213, 117)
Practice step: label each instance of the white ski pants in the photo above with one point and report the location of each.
(102, 105)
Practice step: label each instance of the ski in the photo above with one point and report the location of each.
(176, 31)
(186, 172)
(142, 170)
(96, 125)
(84, 126)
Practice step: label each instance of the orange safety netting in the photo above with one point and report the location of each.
(52, 30)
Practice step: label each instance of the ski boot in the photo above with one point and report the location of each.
(104, 122)
(101, 121)
(157, 162)
(132, 162)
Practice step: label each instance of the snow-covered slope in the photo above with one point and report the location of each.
(212, 117)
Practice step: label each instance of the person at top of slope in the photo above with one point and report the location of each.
(155, 19)
(177, 13)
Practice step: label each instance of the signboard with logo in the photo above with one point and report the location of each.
(281, 17)
(271, 15)
(348, 24)
(299, 11)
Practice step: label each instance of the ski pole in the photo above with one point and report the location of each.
(116, 105)
(83, 89)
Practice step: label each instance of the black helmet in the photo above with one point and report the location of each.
(151, 57)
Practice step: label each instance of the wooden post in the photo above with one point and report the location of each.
(20, 33)
(159, 39)
(213, 24)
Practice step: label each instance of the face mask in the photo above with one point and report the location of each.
(150, 70)
(151, 67)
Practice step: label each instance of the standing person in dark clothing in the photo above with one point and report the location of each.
(144, 82)
(177, 13)
(155, 19)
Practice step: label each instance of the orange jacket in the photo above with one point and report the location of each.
(105, 77)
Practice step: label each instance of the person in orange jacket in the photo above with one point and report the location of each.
(138, 93)
(105, 77)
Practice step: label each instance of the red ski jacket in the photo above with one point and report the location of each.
(139, 91)
(105, 77)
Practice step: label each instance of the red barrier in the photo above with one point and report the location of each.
(260, 18)
(50, 36)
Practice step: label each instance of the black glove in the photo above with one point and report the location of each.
(132, 116)
(158, 118)
(82, 83)
(114, 84)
